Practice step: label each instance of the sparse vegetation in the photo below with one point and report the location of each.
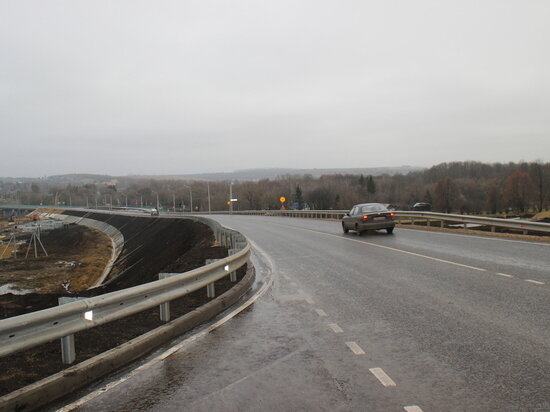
(467, 187)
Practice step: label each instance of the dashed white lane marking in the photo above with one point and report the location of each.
(355, 348)
(504, 275)
(536, 282)
(335, 328)
(321, 313)
(382, 377)
(413, 408)
(306, 297)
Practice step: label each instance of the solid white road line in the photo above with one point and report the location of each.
(321, 313)
(536, 282)
(504, 275)
(526, 242)
(335, 328)
(355, 348)
(389, 248)
(413, 408)
(382, 377)
(185, 343)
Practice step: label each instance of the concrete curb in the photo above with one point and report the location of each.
(56, 386)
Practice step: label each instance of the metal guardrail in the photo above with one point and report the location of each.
(515, 224)
(524, 226)
(26, 331)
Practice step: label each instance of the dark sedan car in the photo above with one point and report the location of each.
(422, 206)
(368, 216)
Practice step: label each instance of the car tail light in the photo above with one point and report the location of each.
(365, 218)
(392, 215)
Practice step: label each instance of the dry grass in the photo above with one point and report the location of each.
(542, 215)
(76, 254)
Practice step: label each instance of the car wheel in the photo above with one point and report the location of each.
(344, 228)
(389, 230)
(357, 231)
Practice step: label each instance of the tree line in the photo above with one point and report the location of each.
(463, 187)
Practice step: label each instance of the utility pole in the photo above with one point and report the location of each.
(208, 188)
(190, 196)
(231, 197)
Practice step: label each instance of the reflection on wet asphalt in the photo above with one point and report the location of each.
(449, 336)
(262, 355)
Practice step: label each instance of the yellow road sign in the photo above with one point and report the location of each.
(282, 199)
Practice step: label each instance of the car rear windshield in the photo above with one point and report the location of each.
(372, 208)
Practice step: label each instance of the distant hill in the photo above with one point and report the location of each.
(79, 178)
(273, 173)
(241, 175)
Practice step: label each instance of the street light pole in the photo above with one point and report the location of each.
(190, 196)
(208, 187)
(231, 197)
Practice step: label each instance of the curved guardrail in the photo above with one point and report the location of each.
(26, 331)
(117, 238)
(515, 224)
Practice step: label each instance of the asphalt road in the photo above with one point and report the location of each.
(415, 321)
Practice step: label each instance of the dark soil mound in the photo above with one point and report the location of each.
(152, 245)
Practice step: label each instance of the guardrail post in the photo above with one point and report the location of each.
(68, 352)
(428, 222)
(211, 288)
(233, 275)
(442, 223)
(164, 307)
(493, 229)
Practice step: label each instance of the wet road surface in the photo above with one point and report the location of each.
(415, 321)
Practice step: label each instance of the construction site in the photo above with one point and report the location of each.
(44, 260)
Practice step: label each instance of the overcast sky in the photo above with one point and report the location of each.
(174, 87)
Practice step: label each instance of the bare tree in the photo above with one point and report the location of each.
(518, 190)
(445, 194)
